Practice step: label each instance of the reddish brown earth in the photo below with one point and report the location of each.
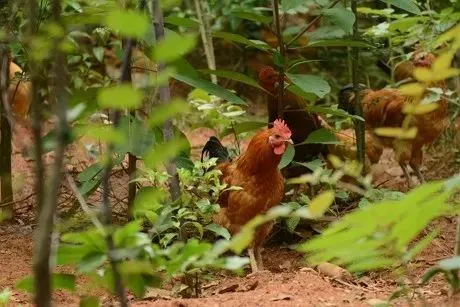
(288, 282)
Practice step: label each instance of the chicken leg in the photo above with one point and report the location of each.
(255, 259)
(418, 173)
(410, 182)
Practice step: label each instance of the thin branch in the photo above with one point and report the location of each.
(132, 163)
(106, 207)
(279, 35)
(359, 125)
(308, 26)
(457, 238)
(168, 132)
(19, 200)
(44, 232)
(84, 205)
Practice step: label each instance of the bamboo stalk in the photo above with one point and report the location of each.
(206, 36)
(279, 35)
(359, 125)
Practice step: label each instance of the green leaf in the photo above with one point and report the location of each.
(5, 296)
(244, 127)
(164, 152)
(371, 264)
(210, 88)
(406, 5)
(339, 43)
(341, 17)
(421, 245)
(59, 281)
(185, 163)
(129, 23)
(163, 112)
(251, 15)
(312, 165)
(291, 4)
(219, 230)
(70, 254)
(287, 157)
(430, 274)
(174, 46)
(89, 301)
(233, 75)
(99, 53)
(148, 198)
(449, 264)
(337, 112)
(181, 21)
(320, 204)
(91, 262)
(234, 262)
(120, 97)
(242, 40)
(310, 84)
(241, 240)
(321, 136)
(292, 222)
(102, 133)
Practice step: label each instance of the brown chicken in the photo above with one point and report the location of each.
(346, 149)
(256, 172)
(300, 121)
(18, 92)
(383, 108)
(404, 69)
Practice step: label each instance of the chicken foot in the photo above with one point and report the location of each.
(417, 171)
(410, 182)
(255, 259)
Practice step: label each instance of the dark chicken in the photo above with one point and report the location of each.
(300, 121)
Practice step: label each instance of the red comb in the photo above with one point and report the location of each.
(266, 71)
(282, 128)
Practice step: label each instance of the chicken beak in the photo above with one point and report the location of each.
(290, 141)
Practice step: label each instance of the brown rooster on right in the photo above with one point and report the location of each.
(384, 108)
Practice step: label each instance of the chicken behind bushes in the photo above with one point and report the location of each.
(300, 121)
(256, 172)
(384, 108)
(18, 92)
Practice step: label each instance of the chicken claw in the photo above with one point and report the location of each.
(410, 182)
(253, 260)
(417, 172)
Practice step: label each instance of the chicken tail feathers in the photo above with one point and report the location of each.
(215, 149)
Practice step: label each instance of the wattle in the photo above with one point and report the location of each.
(279, 150)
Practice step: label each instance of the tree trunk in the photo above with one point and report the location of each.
(6, 187)
(43, 235)
(168, 128)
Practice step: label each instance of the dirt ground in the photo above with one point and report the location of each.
(287, 282)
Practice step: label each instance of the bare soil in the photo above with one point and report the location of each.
(287, 282)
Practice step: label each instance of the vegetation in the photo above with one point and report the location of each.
(126, 81)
